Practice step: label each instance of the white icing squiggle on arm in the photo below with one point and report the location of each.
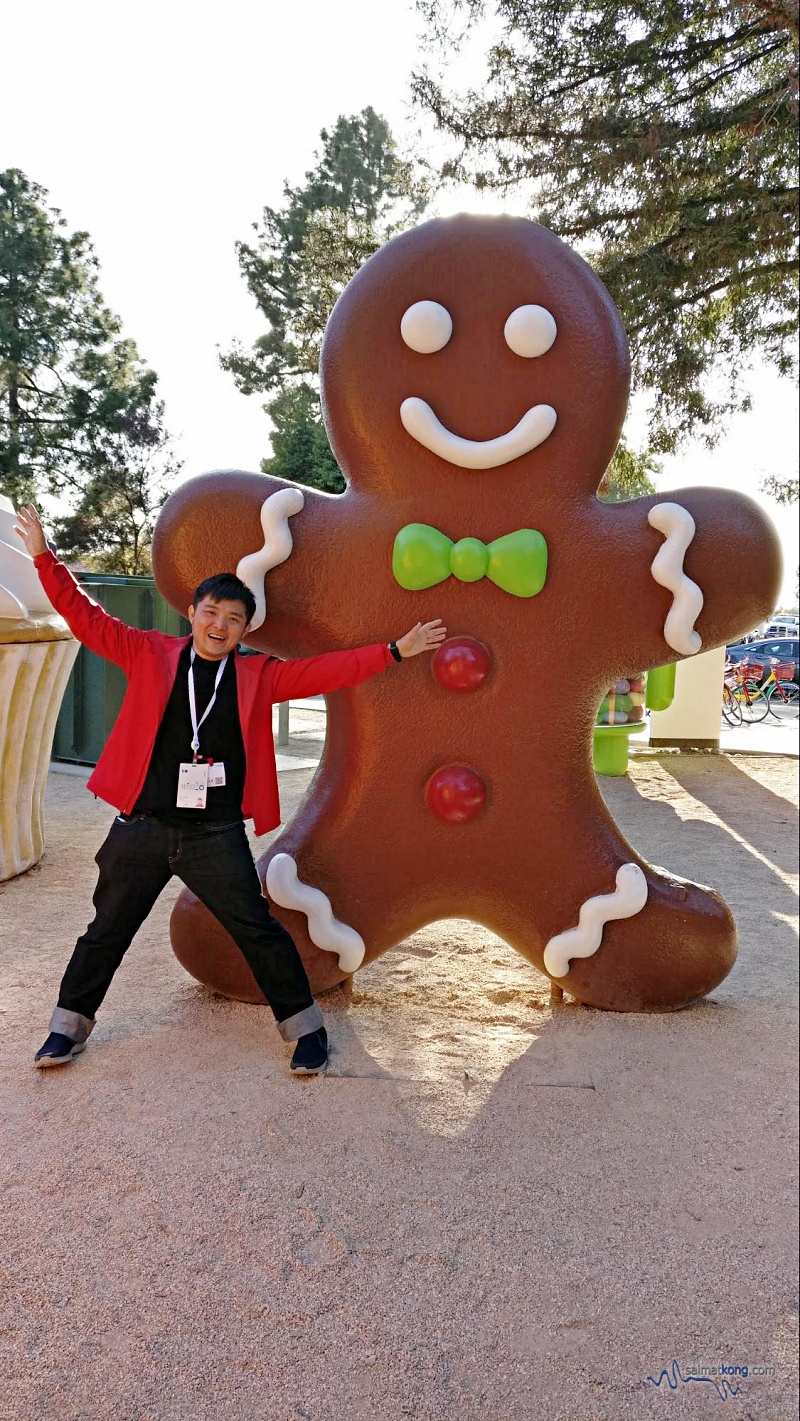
(252, 569)
(628, 899)
(678, 527)
(325, 931)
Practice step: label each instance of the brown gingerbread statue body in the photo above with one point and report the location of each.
(475, 380)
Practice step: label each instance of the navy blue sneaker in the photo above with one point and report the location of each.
(311, 1053)
(58, 1050)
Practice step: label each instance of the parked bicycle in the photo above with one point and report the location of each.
(750, 696)
(731, 707)
(782, 691)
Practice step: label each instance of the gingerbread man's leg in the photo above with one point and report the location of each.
(614, 932)
(340, 907)
(209, 953)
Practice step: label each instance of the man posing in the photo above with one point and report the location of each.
(191, 756)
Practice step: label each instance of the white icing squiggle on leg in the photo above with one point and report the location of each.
(252, 569)
(325, 931)
(678, 527)
(628, 899)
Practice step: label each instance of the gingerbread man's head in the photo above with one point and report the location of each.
(470, 349)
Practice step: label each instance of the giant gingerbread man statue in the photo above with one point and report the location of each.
(474, 382)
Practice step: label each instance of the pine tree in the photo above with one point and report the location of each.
(359, 194)
(659, 138)
(110, 528)
(628, 475)
(300, 448)
(77, 403)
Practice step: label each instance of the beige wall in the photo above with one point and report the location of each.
(696, 710)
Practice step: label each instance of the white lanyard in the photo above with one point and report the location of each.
(193, 704)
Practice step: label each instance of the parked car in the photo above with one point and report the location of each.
(782, 648)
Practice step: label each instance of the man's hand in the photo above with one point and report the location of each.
(425, 636)
(30, 530)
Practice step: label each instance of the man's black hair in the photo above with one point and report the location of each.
(226, 586)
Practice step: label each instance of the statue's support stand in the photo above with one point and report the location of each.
(283, 723)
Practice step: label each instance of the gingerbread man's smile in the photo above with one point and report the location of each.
(422, 424)
(529, 331)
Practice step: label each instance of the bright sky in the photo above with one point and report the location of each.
(163, 129)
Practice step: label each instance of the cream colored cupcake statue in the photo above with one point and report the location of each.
(37, 652)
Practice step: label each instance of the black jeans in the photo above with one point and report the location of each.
(214, 860)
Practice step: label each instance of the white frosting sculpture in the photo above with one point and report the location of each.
(21, 592)
(326, 932)
(678, 527)
(252, 569)
(628, 899)
(37, 652)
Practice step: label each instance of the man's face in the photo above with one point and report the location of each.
(218, 625)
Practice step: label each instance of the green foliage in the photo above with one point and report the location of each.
(660, 139)
(301, 451)
(784, 491)
(628, 475)
(111, 526)
(78, 411)
(357, 196)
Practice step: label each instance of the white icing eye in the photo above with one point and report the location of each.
(530, 331)
(426, 327)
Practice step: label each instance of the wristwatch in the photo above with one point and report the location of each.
(394, 651)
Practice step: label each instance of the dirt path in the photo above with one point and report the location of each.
(491, 1210)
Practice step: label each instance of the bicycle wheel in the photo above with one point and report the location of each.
(784, 702)
(731, 710)
(754, 702)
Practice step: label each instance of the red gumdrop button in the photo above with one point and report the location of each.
(455, 793)
(461, 664)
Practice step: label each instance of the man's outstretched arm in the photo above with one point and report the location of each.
(101, 633)
(334, 670)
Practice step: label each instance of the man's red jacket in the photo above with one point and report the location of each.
(150, 662)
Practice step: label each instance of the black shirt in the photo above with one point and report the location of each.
(220, 740)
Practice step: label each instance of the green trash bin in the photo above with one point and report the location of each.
(96, 687)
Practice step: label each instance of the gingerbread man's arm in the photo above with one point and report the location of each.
(216, 522)
(683, 571)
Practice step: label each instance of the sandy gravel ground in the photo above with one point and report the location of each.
(491, 1210)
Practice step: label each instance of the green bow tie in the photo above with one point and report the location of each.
(423, 556)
